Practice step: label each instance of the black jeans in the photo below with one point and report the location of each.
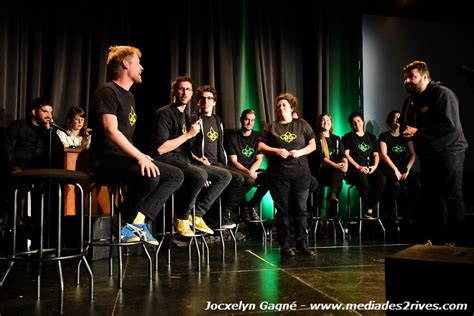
(192, 192)
(370, 186)
(235, 192)
(290, 191)
(442, 196)
(144, 194)
(392, 191)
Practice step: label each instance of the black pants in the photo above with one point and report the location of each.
(442, 196)
(370, 186)
(392, 191)
(192, 192)
(249, 182)
(290, 191)
(332, 178)
(144, 194)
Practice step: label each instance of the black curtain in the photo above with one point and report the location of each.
(60, 53)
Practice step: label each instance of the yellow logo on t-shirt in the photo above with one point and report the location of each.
(212, 135)
(288, 137)
(183, 128)
(132, 116)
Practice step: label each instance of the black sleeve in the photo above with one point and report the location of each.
(162, 124)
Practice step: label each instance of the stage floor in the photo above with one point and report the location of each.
(257, 280)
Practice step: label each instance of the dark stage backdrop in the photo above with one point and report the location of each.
(390, 42)
(250, 50)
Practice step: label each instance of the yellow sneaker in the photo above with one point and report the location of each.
(182, 227)
(200, 225)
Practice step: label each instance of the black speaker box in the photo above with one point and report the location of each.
(422, 275)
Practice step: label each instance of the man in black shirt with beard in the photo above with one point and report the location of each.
(27, 140)
(430, 117)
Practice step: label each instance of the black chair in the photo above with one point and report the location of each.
(46, 182)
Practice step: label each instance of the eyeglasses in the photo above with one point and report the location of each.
(185, 90)
(207, 98)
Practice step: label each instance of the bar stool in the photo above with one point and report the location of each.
(114, 239)
(259, 222)
(221, 231)
(168, 235)
(44, 180)
(360, 219)
(325, 218)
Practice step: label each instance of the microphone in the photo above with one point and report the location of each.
(62, 129)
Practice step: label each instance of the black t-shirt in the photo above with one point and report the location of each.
(211, 138)
(361, 149)
(294, 135)
(397, 150)
(170, 123)
(112, 99)
(244, 147)
(27, 146)
(335, 147)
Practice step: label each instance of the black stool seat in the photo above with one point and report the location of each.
(54, 175)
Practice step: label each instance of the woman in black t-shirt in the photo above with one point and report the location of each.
(361, 151)
(334, 163)
(398, 157)
(287, 142)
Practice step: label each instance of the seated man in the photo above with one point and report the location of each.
(27, 146)
(113, 155)
(210, 153)
(172, 137)
(27, 140)
(244, 158)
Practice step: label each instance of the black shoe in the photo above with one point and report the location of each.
(245, 215)
(254, 215)
(227, 223)
(332, 198)
(306, 251)
(287, 251)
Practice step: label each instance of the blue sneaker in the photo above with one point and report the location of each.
(145, 234)
(129, 233)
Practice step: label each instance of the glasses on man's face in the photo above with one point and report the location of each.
(185, 90)
(207, 98)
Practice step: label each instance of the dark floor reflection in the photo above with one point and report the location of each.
(255, 281)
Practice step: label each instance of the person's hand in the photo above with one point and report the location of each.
(253, 174)
(342, 166)
(283, 153)
(295, 153)
(364, 170)
(207, 183)
(409, 132)
(148, 167)
(195, 129)
(398, 175)
(202, 160)
(404, 176)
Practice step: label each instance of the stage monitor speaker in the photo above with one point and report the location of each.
(430, 274)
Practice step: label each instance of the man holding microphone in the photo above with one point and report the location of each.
(172, 140)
